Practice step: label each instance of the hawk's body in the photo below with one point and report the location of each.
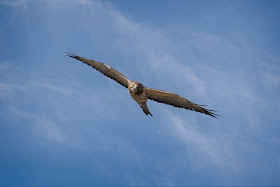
(140, 93)
(137, 92)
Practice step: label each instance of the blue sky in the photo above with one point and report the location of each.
(63, 123)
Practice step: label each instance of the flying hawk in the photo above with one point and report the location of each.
(141, 93)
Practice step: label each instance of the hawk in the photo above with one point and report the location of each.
(141, 93)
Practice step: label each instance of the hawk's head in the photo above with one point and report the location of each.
(135, 87)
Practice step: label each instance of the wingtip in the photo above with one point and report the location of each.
(209, 112)
(72, 55)
(214, 114)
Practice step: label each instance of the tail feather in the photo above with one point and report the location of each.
(145, 108)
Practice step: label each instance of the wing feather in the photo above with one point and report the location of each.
(177, 101)
(104, 69)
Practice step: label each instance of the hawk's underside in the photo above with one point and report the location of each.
(141, 93)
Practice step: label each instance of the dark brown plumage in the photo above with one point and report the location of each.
(141, 93)
(104, 69)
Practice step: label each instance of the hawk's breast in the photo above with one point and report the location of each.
(142, 98)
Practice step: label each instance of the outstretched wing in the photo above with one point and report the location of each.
(103, 68)
(176, 101)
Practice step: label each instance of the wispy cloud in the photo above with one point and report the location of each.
(270, 71)
(78, 111)
(217, 148)
(42, 125)
(156, 60)
(14, 3)
(54, 99)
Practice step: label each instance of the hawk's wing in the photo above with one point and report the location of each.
(176, 100)
(103, 68)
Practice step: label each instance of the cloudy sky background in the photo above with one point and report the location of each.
(64, 123)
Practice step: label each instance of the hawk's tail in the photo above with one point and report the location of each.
(145, 108)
